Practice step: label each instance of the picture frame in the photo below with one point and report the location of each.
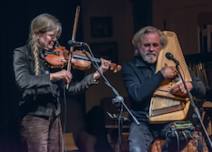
(101, 27)
(205, 38)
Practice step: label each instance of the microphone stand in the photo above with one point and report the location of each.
(118, 99)
(196, 110)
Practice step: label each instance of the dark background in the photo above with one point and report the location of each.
(15, 16)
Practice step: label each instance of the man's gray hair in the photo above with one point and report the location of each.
(138, 37)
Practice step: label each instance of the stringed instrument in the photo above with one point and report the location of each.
(164, 106)
(80, 59)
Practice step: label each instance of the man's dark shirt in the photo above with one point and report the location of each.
(141, 81)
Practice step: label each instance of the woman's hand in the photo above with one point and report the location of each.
(179, 90)
(64, 75)
(105, 65)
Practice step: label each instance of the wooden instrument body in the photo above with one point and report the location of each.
(164, 106)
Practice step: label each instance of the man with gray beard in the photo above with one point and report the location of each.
(141, 81)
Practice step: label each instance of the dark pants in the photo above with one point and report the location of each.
(41, 134)
(141, 137)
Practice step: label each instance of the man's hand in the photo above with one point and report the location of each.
(179, 90)
(169, 72)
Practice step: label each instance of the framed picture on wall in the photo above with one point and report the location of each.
(101, 27)
(205, 38)
(106, 50)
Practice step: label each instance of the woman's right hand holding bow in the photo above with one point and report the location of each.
(64, 75)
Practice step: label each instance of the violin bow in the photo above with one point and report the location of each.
(76, 18)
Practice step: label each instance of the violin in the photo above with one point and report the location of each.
(80, 59)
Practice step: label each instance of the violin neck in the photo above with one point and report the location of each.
(85, 58)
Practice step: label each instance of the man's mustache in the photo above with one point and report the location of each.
(151, 54)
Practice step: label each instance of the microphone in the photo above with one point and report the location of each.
(117, 99)
(170, 56)
(75, 43)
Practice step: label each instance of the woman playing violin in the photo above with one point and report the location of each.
(41, 89)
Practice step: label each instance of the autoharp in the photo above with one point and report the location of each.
(164, 106)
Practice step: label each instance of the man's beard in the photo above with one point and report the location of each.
(150, 58)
